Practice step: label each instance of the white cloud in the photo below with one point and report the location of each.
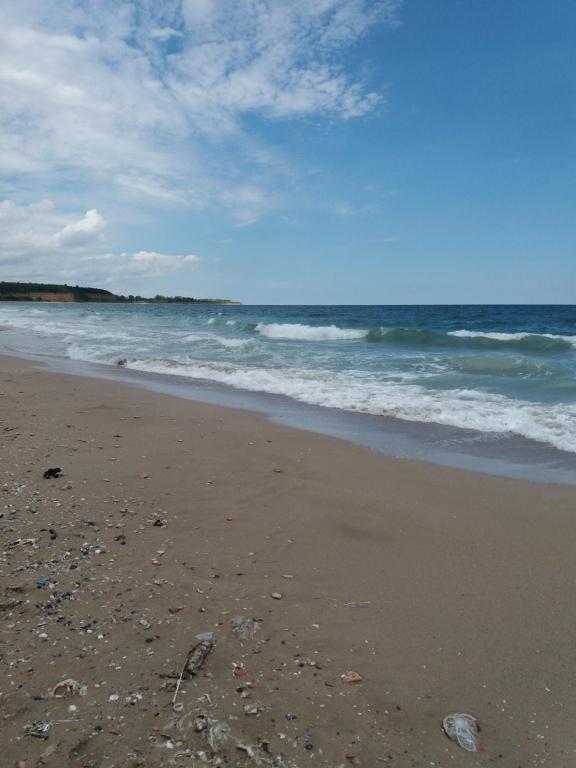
(152, 264)
(88, 229)
(150, 96)
(39, 228)
(127, 101)
(164, 33)
(118, 268)
(41, 243)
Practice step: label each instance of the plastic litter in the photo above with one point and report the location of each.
(68, 687)
(244, 627)
(195, 660)
(52, 472)
(198, 654)
(260, 755)
(464, 730)
(253, 709)
(38, 730)
(196, 754)
(201, 723)
(218, 734)
(358, 604)
(247, 748)
(90, 548)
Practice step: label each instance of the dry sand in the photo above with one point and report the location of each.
(446, 591)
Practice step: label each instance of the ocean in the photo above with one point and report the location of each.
(496, 372)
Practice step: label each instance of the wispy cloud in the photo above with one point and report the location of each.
(148, 95)
(128, 101)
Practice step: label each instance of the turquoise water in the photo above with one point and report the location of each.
(502, 370)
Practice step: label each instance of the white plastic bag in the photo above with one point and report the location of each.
(464, 730)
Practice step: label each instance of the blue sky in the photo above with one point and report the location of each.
(341, 151)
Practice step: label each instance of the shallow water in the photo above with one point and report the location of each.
(503, 371)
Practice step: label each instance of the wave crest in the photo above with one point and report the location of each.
(300, 332)
(523, 342)
(531, 341)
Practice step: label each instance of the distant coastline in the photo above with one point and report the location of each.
(53, 292)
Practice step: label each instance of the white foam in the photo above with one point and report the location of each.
(487, 335)
(48, 324)
(468, 409)
(89, 354)
(299, 332)
(464, 334)
(233, 343)
(223, 341)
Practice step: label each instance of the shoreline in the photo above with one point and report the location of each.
(447, 590)
(438, 444)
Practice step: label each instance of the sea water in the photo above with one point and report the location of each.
(498, 370)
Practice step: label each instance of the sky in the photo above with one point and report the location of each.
(289, 151)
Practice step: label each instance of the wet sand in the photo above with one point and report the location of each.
(447, 591)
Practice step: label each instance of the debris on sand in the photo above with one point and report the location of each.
(244, 627)
(198, 654)
(351, 677)
(68, 687)
(38, 730)
(194, 661)
(464, 730)
(52, 472)
(253, 709)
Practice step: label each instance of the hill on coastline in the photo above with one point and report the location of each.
(53, 292)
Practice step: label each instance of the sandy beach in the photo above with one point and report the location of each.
(445, 591)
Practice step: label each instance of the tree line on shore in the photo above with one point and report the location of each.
(16, 291)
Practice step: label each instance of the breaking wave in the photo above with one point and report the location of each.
(517, 382)
(523, 342)
(301, 332)
(544, 341)
(554, 424)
